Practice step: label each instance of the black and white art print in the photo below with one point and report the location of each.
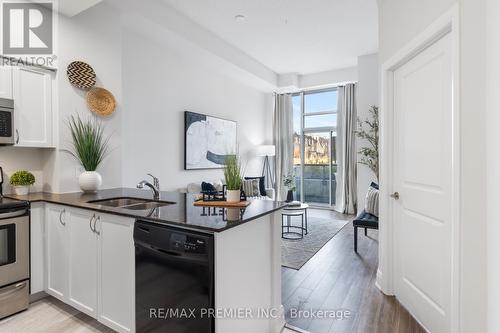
(208, 140)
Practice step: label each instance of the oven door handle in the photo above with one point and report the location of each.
(11, 290)
(13, 214)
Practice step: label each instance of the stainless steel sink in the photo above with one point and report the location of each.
(147, 205)
(131, 203)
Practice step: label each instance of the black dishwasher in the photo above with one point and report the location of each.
(174, 279)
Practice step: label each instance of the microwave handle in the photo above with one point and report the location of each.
(17, 136)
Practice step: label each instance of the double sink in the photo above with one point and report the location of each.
(131, 203)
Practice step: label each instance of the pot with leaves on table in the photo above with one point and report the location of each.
(89, 147)
(232, 175)
(21, 181)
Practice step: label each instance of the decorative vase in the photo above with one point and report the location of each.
(90, 181)
(233, 196)
(289, 196)
(21, 190)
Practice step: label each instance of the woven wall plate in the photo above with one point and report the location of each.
(81, 75)
(101, 101)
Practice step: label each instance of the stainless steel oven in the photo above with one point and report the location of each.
(14, 256)
(7, 128)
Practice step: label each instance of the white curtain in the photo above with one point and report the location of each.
(346, 193)
(283, 140)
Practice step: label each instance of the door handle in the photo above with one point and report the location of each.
(395, 195)
(17, 136)
(60, 217)
(90, 223)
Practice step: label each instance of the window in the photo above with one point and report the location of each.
(314, 155)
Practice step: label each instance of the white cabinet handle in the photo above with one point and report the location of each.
(90, 223)
(95, 222)
(60, 217)
(17, 136)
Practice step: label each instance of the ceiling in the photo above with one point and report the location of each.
(291, 36)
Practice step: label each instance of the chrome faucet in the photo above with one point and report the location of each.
(155, 187)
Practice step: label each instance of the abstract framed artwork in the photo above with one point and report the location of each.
(207, 141)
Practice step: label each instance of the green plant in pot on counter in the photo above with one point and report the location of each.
(21, 181)
(89, 147)
(232, 174)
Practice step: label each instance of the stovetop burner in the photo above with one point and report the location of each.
(7, 203)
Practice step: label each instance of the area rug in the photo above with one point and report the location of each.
(295, 253)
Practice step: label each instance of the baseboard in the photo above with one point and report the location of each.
(38, 296)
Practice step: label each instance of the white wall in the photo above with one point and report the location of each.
(30, 159)
(154, 79)
(157, 91)
(400, 21)
(93, 36)
(321, 79)
(368, 95)
(493, 161)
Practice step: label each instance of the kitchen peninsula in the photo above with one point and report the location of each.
(114, 235)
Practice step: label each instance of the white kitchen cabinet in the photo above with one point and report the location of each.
(33, 118)
(5, 82)
(57, 251)
(90, 263)
(37, 248)
(117, 272)
(82, 261)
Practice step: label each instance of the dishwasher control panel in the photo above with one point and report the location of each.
(187, 244)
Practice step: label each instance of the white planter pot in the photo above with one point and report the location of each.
(233, 196)
(21, 190)
(90, 181)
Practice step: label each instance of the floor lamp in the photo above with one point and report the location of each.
(267, 151)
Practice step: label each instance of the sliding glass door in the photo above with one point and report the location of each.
(315, 124)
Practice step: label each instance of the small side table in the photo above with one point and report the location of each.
(289, 213)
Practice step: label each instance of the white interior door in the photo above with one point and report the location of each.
(423, 177)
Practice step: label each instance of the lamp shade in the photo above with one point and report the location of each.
(265, 150)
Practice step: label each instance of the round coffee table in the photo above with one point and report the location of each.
(290, 212)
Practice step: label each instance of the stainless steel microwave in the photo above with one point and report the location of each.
(7, 121)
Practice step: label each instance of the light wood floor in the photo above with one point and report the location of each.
(50, 315)
(335, 278)
(338, 278)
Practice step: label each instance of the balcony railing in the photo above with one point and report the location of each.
(317, 183)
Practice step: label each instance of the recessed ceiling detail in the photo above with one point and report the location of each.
(291, 36)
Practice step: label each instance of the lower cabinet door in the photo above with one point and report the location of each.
(83, 257)
(117, 273)
(57, 251)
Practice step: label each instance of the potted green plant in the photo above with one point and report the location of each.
(232, 174)
(289, 183)
(368, 130)
(21, 181)
(89, 147)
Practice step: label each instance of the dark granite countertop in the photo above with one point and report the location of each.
(181, 212)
